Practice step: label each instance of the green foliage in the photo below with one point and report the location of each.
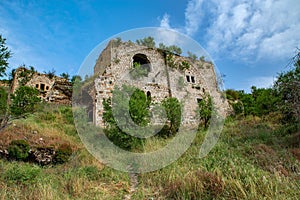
(76, 78)
(24, 100)
(170, 60)
(265, 101)
(22, 174)
(232, 94)
(138, 71)
(138, 114)
(173, 48)
(67, 114)
(25, 75)
(4, 56)
(192, 55)
(62, 154)
(117, 42)
(91, 172)
(147, 41)
(184, 65)
(287, 87)
(205, 107)
(18, 149)
(173, 111)
(65, 75)
(3, 102)
(259, 102)
(50, 73)
(202, 58)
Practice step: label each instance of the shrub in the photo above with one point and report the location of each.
(23, 174)
(68, 114)
(173, 111)
(18, 149)
(62, 154)
(122, 139)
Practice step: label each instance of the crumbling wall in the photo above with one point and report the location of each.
(52, 89)
(164, 79)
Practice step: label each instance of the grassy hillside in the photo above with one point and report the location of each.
(255, 158)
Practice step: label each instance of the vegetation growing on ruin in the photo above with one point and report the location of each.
(257, 155)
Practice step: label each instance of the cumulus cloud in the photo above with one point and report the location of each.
(193, 16)
(255, 29)
(165, 23)
(247, 30)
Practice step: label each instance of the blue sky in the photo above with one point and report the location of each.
(249, 41)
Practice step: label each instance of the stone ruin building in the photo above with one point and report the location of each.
(53, 89)
(168, 75)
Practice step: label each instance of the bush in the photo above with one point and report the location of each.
(122, 139)
(62, 154)
(18, 149)
(68, 114)
(23, 174)
(173, 111)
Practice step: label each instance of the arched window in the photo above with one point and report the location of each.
(142, 60)
(149, 95)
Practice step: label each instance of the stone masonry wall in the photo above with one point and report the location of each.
(162, 81)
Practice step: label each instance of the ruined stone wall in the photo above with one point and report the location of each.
(54, 89)
(104, 59)
(162, 81)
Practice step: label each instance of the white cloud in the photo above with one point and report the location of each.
(246, 30)
(165, 23)
(193, 16)
(257, 29)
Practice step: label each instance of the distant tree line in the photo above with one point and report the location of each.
(283, 97)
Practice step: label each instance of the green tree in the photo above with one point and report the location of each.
(65, 75)
(265, 100)
(147, 41)
(20, 103)
(50, 73)
(119, 116)
(192, 55)
(4, 56)
(3, 102)
(205, 107)
(287, 87)
(173, 48)
(76, 78)
(173, 111)
(23, 101)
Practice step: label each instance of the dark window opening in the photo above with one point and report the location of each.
(188, 78)
(203, 90)
(90, 116)
(199, 100)
(142, 60)
(42, 87)
(37, 85)
(149, 95)
(47, 87)
(193, 79)
(197, 87)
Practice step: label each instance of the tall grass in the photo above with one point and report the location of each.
(253, 159)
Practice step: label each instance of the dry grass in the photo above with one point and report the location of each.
(250, 161)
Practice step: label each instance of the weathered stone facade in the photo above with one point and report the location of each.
(167, 77)
(52, 89)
